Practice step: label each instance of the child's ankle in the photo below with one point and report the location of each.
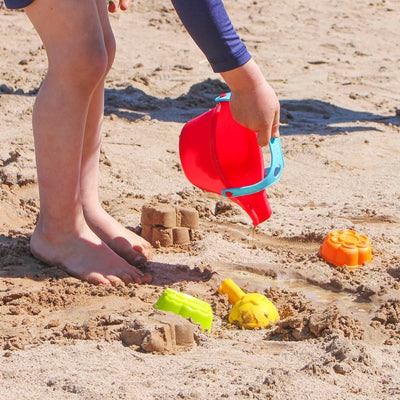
(54, 228)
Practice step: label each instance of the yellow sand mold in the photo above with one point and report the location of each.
(252, 310)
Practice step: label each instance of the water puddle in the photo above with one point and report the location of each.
(249, 280)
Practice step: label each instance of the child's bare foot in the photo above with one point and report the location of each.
(123, 241)
(84, 255)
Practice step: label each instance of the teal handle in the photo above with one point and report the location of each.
(272, 174)
(223, 97)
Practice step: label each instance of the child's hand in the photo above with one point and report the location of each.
(258, 110)
(114, 4)
(253, 102)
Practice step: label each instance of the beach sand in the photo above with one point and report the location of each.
(335, 67)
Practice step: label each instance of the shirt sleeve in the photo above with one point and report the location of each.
(210, 27)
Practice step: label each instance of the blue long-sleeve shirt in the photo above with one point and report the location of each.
(210, 27)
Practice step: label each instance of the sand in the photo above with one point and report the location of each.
(335, 67)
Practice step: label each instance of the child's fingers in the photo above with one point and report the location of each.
(275, 125)
(112, 7)
(264, 135)
(114, 4)
(124, 4)
(271, 130)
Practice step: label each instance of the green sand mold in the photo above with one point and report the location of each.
(187, 306)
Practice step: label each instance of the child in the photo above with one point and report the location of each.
(73, 231)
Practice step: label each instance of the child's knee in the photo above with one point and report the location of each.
(92, 66)
(82, 67)
(109, 42)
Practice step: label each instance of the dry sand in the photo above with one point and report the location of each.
(336, 68)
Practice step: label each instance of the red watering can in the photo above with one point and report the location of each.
(221, 156)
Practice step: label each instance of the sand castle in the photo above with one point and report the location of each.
(165, 225)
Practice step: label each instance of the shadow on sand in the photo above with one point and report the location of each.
(16, 261)
(297, 116)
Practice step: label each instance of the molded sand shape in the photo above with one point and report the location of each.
(164, 225)
(252, 310)
(346, 247)
(187, 306)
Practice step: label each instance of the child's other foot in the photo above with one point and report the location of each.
(85, 256)
(123, 241)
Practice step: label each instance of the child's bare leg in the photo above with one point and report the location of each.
(72, 35)
(124, 242)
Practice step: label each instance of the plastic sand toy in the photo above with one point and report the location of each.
(187, 306)
(221, 156)
(346, 247)
(252, 310)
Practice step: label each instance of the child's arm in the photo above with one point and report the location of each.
(210, 27)
(253, 103)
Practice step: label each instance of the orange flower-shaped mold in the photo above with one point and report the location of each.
(346, 247)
